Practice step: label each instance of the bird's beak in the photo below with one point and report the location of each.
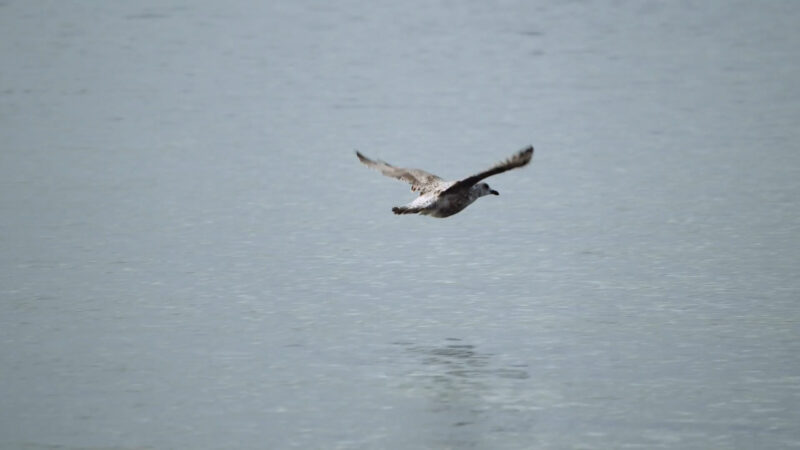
(494, 192)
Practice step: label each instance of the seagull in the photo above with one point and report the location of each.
(440, 198)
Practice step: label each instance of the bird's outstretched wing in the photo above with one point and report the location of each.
(519, 159)
(419, 179)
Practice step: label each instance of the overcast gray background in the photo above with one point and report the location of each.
(192, 257)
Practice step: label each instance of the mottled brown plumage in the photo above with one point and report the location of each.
(440, 198)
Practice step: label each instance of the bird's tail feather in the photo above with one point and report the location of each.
(405, 210)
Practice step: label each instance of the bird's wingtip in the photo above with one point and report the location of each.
(527, 153)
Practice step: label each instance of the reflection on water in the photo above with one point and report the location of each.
(461, 382)
(460, 361)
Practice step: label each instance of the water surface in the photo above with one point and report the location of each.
(192, 256)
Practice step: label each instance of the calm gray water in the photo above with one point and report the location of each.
(192, 257)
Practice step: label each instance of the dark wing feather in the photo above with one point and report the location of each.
(520, 159)
(419, 179)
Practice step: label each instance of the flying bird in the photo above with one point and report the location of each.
(440, 198)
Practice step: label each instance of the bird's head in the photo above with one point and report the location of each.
(484, 189)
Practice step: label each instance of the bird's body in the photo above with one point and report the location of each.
(440, 198)
(440, 204)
